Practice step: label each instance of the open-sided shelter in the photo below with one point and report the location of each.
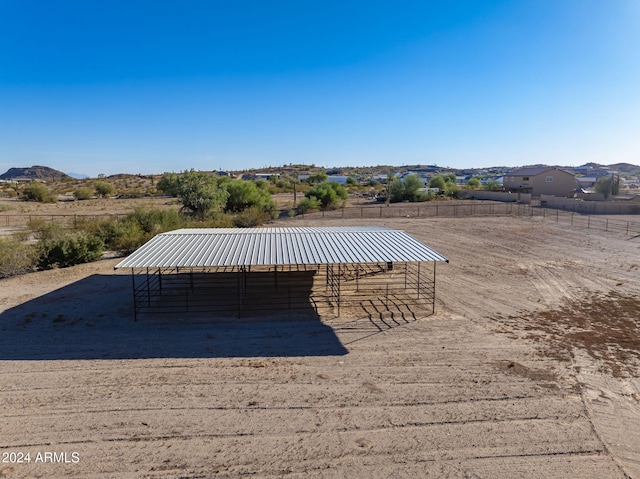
(255, 271)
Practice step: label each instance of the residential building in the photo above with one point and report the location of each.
(540, 180)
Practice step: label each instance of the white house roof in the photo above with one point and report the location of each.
(278, 246)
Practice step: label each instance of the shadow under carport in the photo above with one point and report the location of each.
(93, 319)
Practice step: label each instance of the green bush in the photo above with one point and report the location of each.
(16, 257)
(474, 183)
(169, 184)
(308, 203)
(36, 191)
(43, 230)
(70, 249)
(247, 194)
(250, 217)
(104, 189)
(156, 220)
(83, 193)
(123, 236)
(133, 230)
(330, 194)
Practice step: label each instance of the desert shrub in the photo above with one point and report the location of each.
(44, 230)
(330, 194)
(247, 194)
(83, 193)
(104, 189)
(493, 185)
(10, 192)
(407, 189)
(70, 249)
(36, 191)
(474, 183)
(308, 204)
(252, 216)
(201, 193)
(124, 236)
(155, 220)
(437, 182)
(133, 230)
(319, 177)
(169, 184)
(16, 257)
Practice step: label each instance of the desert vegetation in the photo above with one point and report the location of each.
(202, 200)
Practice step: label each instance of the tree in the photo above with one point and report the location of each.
(200, 193)
(493, 185)
(604, 186)
(450, 178)
(169, 184)
(615, 185)
(396, 190)
(412, 184)
(317, 178)
(246, 194)
(607, 185)
(104, 189)
(473, 183)
(407, 189)
(437, 182)
(329, 194)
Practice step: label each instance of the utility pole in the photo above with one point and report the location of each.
(295, 196)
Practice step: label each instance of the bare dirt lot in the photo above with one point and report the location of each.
(529, 368)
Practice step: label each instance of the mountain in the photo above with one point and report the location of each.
(78, 176)
(33, 173)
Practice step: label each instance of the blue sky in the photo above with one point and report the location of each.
(155, 86)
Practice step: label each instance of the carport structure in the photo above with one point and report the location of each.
(247, 272)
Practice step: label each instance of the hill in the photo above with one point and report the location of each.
(33, 173)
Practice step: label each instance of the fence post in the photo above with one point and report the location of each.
(606, 224)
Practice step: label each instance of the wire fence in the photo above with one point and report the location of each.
(467, 209)
(23, 221)
(405, 210)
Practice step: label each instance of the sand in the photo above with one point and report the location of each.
(529, 368)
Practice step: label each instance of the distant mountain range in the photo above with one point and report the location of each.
(33, 173)
(47, 174)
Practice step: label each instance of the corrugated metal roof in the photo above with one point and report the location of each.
(278, 246)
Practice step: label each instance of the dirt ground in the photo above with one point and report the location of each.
(529, 368)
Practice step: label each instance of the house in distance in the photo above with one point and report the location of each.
(541, 180)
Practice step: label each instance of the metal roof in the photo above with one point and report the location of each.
(533, 171)
(278, 246)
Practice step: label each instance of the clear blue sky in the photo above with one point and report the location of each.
(147, 87)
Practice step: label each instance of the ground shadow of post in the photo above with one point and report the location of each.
(93, 319)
